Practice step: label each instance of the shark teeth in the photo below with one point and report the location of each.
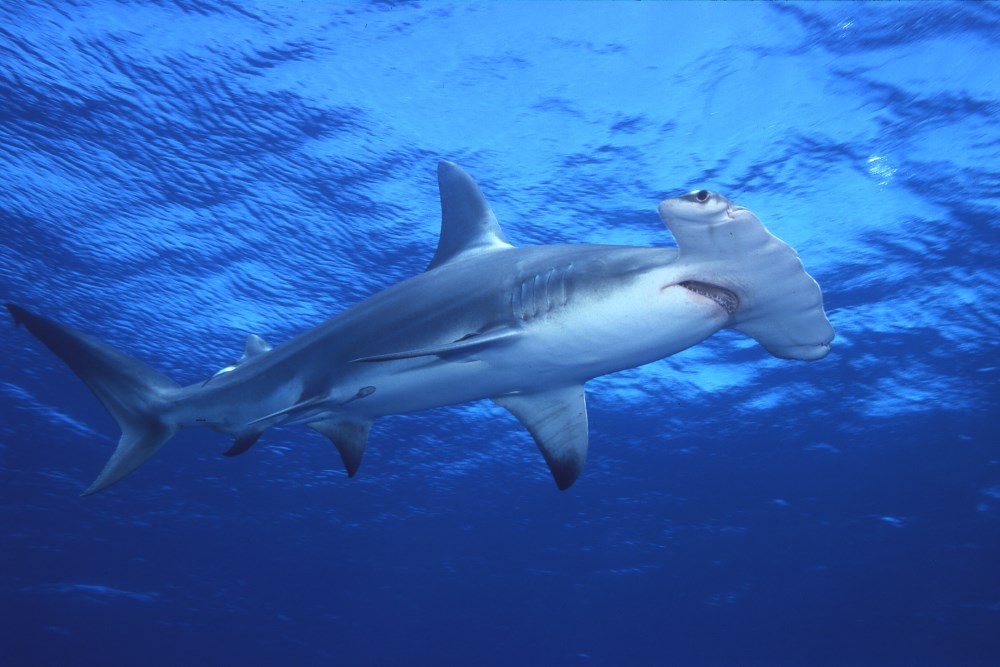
(726, 299)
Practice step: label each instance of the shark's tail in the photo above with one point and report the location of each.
(134, 394)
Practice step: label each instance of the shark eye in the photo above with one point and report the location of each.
(701, 196)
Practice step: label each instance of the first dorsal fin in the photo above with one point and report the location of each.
(467, 222)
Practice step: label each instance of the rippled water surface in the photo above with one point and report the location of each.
(177, 174)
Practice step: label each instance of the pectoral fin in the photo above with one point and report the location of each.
(557, 420)
(349, 437)
(465, 344)
(296, 413)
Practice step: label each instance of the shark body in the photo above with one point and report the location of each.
(523, 326)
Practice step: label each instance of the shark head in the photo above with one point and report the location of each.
(727, 255)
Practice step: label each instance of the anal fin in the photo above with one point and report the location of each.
(557, 420)
(348, 436)
(243, 443)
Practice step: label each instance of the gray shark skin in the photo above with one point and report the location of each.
(523, 326)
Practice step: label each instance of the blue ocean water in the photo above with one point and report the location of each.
(176, 174)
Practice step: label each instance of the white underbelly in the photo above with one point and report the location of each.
(607, 336)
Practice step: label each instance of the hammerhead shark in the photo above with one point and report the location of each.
(524, 326)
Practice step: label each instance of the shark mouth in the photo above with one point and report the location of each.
(726, 299)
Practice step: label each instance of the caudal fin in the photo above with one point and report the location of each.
(133, 393)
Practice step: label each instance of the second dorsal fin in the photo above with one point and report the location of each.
(254, 345)
(467, 222)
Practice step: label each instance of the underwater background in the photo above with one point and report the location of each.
(177, 174)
